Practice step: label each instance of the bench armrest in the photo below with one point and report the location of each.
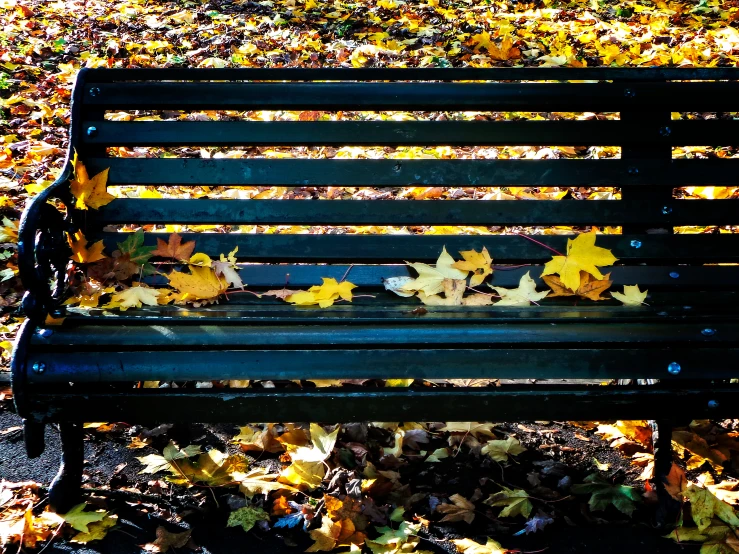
(43, 250)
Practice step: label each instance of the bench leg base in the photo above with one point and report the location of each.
(668, 509)
(65, 488)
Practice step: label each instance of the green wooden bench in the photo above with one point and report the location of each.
(686, 337)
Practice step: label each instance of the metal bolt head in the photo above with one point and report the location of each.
(629, 93)
(95, 91)
(635, 243)
(38, 367)
(396, 167)
(666, 210)
(708, 332)
(713, 404)
(44, 332)
(674, 274)
(92, 131)
(665, 131)
(633, 171)
(673, 368)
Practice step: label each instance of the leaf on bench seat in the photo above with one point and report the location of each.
(590, 287)
(524, 295)
(631, 296)
(582, 255)
(324, 295)
(174, 248)
(134, 297)
(81, 253)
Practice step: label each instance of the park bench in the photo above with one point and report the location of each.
(685, 340)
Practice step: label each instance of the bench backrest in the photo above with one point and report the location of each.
(632, 110)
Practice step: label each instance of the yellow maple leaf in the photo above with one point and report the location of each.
(500, 450)
(326, 537)
(90, 193)
(524, 295)
(200, 284)
(80, 252)
(582, 255)
(631, 295)
(324, 295)
(134, 297)
(430, 280)
(476, 262)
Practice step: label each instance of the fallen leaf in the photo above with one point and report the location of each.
(80, 253)
(631, 296)
(476, 262)
(468, 546)
(324, 295)
(97, 530)
(166, 540)
(430, 279)
(460, 509)
(524, 295)
(246, 517)
(259, 481)
(582, 255)
(500, 450)
(704, 506)
(200, 284)
(174, 248)
(516, 502)
(604, 493)
(589, 288)
(133, 297)
(79, 519)
(90, 193)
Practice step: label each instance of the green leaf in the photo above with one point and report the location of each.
(246, 517)
(516, 502)
(604, 493)
(137, 252)
(79, 519)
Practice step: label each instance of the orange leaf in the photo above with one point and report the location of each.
(174, 248)
(80, 252)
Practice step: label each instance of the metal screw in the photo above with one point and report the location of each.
(629, 93)
(396, 167)
(665, 131)
(94, 91)
(633, 171)
(712, 404)
(38, 367)
(674, 274)
(666, 210)
(708, 332)
(635, 243)
(663, 313)
(92, 131)
(44, 332)
(673, 368)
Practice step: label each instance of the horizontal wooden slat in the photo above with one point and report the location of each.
(432, 212)
(284, 248)
(407, 133)
(426, 363)
(168, 335)
(329, 405)
(637, 74)
(669, 96)
(394, 173)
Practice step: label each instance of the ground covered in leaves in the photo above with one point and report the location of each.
(375, 487)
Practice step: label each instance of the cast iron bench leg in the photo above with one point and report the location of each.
(65, 489)
(668, 509)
